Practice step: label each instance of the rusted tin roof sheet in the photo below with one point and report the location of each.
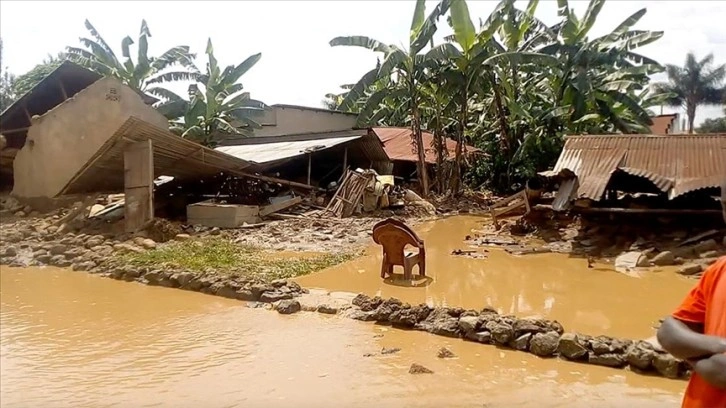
(399, 145)
(675, 164)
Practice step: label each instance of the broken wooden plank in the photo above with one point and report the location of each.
(273, 208)
(76, 210)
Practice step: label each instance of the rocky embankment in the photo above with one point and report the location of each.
(543, 338)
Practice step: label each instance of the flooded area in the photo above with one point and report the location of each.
(70, 339)
(595, 300)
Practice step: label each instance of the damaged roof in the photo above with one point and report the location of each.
(675, 165)
(275, 149)
(59, 85)
(63, 82)
(174, 156)
(399, 145)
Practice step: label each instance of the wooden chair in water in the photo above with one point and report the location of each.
(394, 236)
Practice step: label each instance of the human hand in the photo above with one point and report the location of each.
(713, 370)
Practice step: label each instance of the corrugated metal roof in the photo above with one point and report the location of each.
(173, 156)
(263, 153)
(675, 164)
(273, 150)
(398, 143)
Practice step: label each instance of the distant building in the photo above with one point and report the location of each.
(668, 124)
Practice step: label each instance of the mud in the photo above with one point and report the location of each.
(72, 339)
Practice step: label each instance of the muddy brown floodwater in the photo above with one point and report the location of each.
(555, 286)
(69, 339)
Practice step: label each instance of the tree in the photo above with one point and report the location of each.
(28, 80)
(696, 83)
(406, 68)
(717, 125)
(7, 93)
(513, 87)
(145, 72)
(216, 108)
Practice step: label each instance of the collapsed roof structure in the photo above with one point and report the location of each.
(671, 166)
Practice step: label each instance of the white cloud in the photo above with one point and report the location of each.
(298, 66)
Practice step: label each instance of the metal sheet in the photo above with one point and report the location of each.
(272, 152)
(675, 164)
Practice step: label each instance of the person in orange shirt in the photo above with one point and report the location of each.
(696, 332)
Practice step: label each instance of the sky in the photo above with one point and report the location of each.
(298, 66)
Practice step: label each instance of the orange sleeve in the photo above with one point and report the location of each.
(693, 307)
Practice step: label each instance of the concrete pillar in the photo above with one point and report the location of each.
(138, 185)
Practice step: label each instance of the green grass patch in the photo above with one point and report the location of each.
(220, 256)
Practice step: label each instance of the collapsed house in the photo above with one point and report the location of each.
(79, 134)
(25, 122)
(313, 158)
(640, 174)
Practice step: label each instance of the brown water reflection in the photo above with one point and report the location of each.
(597, 301)
(69, 339)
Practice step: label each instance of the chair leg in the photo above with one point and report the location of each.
(384, 266)
(407, 270)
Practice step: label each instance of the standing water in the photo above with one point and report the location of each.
(69, 339)
(560, 287)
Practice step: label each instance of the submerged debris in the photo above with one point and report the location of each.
(419, 369)
(445, 353)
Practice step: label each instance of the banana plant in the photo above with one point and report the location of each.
(146, 72)
(406, 67)
(217, 108)
(600, 76)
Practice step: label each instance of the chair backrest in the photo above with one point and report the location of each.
(393, 236)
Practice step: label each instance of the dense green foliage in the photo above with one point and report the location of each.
(696, 83)
(217, 107)
(144, 74)
(717, 125)
(511, 87)
(7, 80)
(26, 82)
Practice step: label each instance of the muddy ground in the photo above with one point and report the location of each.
(644, 242)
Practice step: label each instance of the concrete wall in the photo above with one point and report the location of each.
(288, 121)
(61, 141)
